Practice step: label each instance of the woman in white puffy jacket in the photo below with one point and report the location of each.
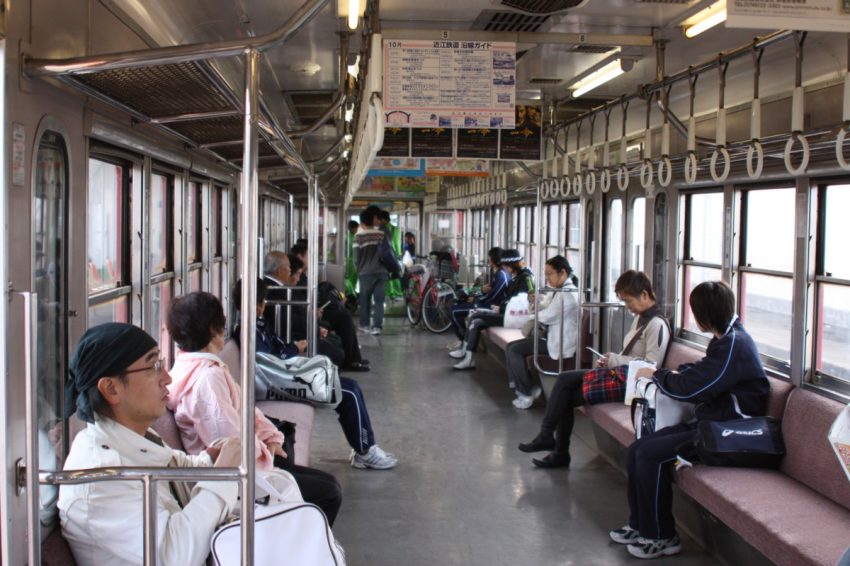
(560, 340)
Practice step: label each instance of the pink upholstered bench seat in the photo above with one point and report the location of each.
(615, 419)
(501, 336)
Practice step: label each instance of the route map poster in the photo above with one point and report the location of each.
(449, 84)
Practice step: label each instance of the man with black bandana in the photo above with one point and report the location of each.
(117, 384)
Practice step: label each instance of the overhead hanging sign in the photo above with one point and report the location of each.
(449, 84)
(397, 167)
(457, 167)
(805, 15)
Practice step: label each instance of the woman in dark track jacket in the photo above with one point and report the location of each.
(728, 383)
(493, 295)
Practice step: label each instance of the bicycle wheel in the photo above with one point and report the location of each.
(413, 300)
(437, 307)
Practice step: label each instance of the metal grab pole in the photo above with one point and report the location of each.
(249, 212)
(149, 515)
(31, 396)
(561, 352)
(312, 261)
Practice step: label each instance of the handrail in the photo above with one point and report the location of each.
(33, 67)
(89, 475)
(537, 330)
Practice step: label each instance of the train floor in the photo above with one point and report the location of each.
(462, 493)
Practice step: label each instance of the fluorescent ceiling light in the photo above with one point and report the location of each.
(354, 69)
(599, 77)
(349, 114)
(706, 19)
(353, 13)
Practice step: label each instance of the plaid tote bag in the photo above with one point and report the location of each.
(604, 385)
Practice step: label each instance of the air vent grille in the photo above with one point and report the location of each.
(541, 6)
(545, 81)
(591, 49)
(493, 20)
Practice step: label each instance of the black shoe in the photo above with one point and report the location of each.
(357, 367)
(364, 362)
(552, 460)
(539, 444)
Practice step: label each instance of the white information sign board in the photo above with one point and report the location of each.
(806, 15)
(449, 84)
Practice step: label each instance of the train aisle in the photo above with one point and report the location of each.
(462, 493)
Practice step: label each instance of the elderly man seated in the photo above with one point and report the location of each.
(117, 384)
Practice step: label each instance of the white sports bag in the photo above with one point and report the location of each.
(287, 531)
(652, 410)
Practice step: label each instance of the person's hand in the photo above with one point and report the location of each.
(470, 300)
(603, 361)
(229, 453)
(645, 372)
(323, 332)
(277, 449)
(496, 309)
(319, 313)
(486, 288)
(301, 345)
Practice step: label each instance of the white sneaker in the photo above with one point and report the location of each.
(467, 362)
(523, 401)
(365, 330)
(376, 331)
(536, 392)
(459, 353)
(374, 458)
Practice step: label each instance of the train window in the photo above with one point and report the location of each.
(638, 233)
(107, 219)
(589, 252)
(614, 246)
(659, 270)
(193, 234)
(766, 281)
(572, 232)
(160, 234)
(50, 283)
(703, 248)
(832, 318)
(216, 244)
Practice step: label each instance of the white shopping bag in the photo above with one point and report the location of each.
(839, 438)
(517, 312)
(407, 260)
(631, 378)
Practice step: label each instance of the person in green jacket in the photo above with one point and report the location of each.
(350, 268)
(394, 236)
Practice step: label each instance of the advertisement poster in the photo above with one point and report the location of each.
(396, 143)
(397, 167)
(482, 143)
(449, 84)
(525, 141)
(457, 167)
(805, 15)
(432, 142)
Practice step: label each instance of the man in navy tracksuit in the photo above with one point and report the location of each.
(728, 383)
(494, 293)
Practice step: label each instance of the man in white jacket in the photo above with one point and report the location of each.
(118, 385)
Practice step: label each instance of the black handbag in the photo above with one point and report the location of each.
(754, 442)
(288, 430)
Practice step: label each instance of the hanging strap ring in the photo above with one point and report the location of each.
(755, 149)
(565, 186)
(727, 164)
(590, 181)
(623, 177)
(839, 147)
(691, 165)
(605, 180)
(544, 189)
(646, 171)
(804, 160)
(665, 171)
(578, 184)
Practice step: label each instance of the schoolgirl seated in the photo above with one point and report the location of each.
(353, 414)
(560, 342)
(206, 399)
(494, 292)
(522, 281)
(728, 383)
(647, 339)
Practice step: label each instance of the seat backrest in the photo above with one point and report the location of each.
(230, 356)
(55, 550)
(679, 353)
(166, 427)
(809, 458)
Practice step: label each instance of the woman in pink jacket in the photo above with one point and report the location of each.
(205, 398)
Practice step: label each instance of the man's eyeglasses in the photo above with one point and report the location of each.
(156, 368)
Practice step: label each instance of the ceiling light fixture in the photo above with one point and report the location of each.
(353, 13)
(705, 19)
(599, 77)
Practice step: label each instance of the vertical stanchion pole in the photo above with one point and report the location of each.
(312, 260)
(31, 421)
(248, 214)
(149, 515)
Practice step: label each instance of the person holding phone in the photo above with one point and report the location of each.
(647, 339)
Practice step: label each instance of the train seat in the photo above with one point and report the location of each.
(55, 550)
(799, 514)
(500, 336)
(301, 414)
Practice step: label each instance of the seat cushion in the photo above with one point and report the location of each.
(679, 353)
(500, 336)
(779, 391)
(809, 457)
(787, 521)
(615, 419)
(230, 356)
(299, 413)
(55, 550)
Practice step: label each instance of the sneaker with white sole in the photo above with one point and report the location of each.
(365, 329)
(654, 548)
(374, 458)
(468, 362)
(523, 401)
(459, 353)
(624, 535)
(376, 331)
